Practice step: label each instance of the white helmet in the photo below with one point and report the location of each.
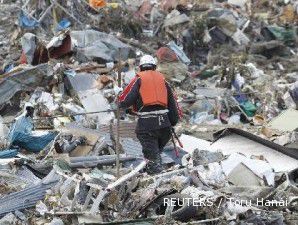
(147, 59)
(28, 105)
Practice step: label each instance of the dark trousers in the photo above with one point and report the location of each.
(153, 143)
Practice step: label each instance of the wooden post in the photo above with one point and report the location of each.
(118, 118)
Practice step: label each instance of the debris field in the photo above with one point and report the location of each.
(233, 65)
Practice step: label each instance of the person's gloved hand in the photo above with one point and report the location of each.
(117, 90)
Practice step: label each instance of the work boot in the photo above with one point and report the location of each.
(154, 166)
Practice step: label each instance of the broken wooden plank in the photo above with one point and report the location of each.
(110, 187)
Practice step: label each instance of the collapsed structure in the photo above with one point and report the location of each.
(233, 65)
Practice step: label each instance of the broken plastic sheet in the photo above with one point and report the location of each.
(34, 142)
(22, 124)
(21, 135)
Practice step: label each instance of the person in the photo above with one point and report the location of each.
(155, 105)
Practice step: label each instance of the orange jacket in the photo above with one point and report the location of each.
(155, 91)
(153, 88)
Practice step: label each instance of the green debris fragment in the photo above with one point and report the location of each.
(249, 108)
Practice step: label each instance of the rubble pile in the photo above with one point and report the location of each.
(76, 160)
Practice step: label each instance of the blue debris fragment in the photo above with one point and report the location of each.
(22, 135)
(63, 24)
(9, 153)
(8, 68)
(27, 22)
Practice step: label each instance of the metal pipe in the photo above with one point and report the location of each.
(99, 162)
(93, 158)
